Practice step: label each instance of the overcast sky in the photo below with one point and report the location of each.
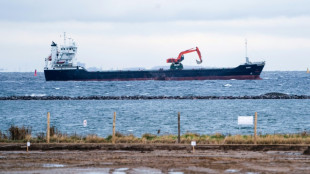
(118, 34)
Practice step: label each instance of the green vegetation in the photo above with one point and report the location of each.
(17, 134)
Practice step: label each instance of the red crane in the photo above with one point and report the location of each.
(176, 63)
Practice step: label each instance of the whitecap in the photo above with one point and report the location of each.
(57, 88)
(227, 85)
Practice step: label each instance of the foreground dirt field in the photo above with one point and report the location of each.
(213, 160)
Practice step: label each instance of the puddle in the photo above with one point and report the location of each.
(232, 171)
(120, 171)
(146, 170)
(89, 171)
(285, 153)
(175, 172)
(53, 165)
(202, 169)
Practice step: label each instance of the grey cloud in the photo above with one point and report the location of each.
(148, 11)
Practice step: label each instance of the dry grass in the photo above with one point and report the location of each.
(160, 139)
(22, 134)
(94, 139)
(16, 134)
(270, 139)
(19, 133)
(127, 139)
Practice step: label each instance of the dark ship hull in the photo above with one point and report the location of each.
(242, 72)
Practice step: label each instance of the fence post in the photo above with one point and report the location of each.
(179, 129)
(48, 128)
(255, 128)
(113, 135)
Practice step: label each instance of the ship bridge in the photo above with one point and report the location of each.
(63, 57)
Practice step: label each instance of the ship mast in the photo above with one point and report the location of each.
(246, 52)
(64, 38)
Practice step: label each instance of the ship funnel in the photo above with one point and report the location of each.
(54, 51)
(53, 44)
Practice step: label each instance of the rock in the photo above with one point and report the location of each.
(273, 95)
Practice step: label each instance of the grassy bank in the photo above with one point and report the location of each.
(23, 134)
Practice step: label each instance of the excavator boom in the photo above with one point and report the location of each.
(199, 54)
(181, 56)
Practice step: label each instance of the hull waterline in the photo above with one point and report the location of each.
(242, 72)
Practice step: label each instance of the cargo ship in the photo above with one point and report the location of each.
(61, 65)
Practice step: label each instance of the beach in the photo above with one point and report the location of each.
(147, 158)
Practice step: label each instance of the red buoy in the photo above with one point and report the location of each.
(35, 72)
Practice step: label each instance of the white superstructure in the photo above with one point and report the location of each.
(63, 57)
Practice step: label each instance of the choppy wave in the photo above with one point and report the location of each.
(285, 82)
(149, 116)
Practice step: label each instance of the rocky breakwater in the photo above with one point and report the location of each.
(273, 95)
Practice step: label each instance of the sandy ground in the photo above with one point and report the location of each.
(157, 161)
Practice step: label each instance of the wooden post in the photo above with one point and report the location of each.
(193, 149)
(113, 135)
(27, 148)
(48, 128)
(255, 128)
(179, 129)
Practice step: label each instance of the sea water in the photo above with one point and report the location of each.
(148, 116)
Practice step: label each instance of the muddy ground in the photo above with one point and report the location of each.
(156, 160)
